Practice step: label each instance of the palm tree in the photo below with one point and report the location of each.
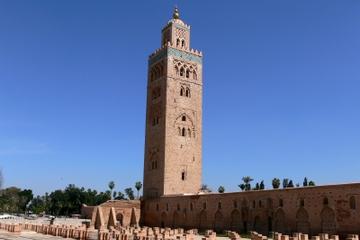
(247, 182)
(138, 186)
(221, 189)
(111, 187)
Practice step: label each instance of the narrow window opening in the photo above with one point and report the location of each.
(326, 201)
(183, 132)
(191, 207)
(177, 42)
(281, 203)
(187, 73)
(352, 203)
(302, 202)
(219, 205)
(183, 176)
(182, 72)
(182, 91)
(183, 43)
(183, 118)
(204, 205)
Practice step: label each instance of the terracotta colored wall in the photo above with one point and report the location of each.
(290, 210)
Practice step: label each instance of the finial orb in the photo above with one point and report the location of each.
(176, 14)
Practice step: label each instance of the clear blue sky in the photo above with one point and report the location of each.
(281, 89)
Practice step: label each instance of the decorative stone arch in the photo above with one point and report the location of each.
(235, 223)
(120, 219)
(203, 220)
(188, 119)
(219, 221)
(280, 221)
(328, 220)
(302, 221)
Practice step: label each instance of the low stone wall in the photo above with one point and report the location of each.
(301, 236)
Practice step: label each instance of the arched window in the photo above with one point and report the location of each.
(302, 202)
(182, 91)
(183, 175)
(183, 43)
(326, 201)
(281, 203)
(187, 92)
(177, 42)
(183, 132)
(352, 203)
(235, 204)
(187, 73)
(219, 205)
(182, 71)
(183, 118)
(191, 206)
(194, 75)
(178, 207)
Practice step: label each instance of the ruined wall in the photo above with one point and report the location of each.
(112, 213)
(331, 209)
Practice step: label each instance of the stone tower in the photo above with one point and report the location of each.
(173, 154)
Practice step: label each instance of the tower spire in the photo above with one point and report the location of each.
(176, 14)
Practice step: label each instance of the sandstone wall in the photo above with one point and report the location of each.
(331, 209)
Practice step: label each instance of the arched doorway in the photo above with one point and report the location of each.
(219, 222)
(302, 221)
(280, 222)
(120, 219)
(202, 220)
(328, 221)
(235, 223)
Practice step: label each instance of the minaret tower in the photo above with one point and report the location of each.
(173, 142)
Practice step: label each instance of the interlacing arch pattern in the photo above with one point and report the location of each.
(185, 70)
(185, 126)
(157, 71)
(153, 157)
(185, 91)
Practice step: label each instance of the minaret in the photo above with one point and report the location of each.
(173, 142)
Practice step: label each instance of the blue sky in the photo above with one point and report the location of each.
(281, 90)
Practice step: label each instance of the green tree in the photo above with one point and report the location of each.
(247, 182)
(25, 197)
(291, 184)
(285, 182)
(262, 185)
(111, 186)
(205, 188)
(120, 196)
(129, 193)
(138, 186)
(257, 186)
(305, 183)
(242, 186)
(312, 183)
(221, 189)
(276, 183)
